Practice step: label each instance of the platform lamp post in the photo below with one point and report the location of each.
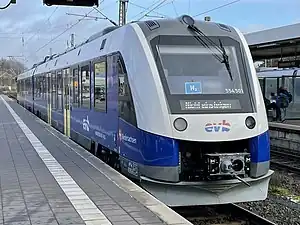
(10, 2)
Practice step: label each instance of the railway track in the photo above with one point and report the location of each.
(284, 159)
(228, 214)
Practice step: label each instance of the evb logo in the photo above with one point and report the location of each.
(218, 127)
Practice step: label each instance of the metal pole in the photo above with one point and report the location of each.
(122, 12)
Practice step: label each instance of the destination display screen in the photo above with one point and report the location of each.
(210, 104)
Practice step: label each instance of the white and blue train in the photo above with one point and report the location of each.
(173, 103)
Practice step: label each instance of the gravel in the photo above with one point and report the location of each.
(277, 207)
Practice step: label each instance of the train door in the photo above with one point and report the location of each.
(67, 101)
(106, 96)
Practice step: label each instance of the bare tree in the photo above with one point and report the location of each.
(9, 70)
(12, 67)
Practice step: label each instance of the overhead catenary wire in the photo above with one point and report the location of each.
(216, 8)
(110, 20)
(174, 7)
(162, 2)
(142, 7)
(73, 25)
(68, 28)
(147, 8)
(47, 20)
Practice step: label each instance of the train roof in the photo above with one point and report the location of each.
(59, 61)
(278, 72)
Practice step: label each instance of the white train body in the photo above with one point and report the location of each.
(197, 136)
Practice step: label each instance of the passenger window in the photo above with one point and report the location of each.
(35, 87)
(59, 91)
(85, 87)
(271, 86)
(100, 86)
(75, 88)
(126, 106)
(53, 89)
(44, 86)
(48, 86)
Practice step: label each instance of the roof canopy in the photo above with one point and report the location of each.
(274, 43)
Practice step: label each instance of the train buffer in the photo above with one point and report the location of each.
(48, 179)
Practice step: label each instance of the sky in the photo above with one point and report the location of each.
(29, 29)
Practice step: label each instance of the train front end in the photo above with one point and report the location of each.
(219, 150)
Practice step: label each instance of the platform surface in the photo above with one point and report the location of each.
(45, 178)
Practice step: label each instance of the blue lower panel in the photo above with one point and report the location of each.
(260, 148)
(98, 126)
(146, 148)
(58, 117)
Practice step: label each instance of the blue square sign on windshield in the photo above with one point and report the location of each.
(193, 88)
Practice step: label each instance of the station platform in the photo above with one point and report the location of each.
(46, 178)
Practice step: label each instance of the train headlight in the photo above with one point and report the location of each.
(180, 124)
(250, 122)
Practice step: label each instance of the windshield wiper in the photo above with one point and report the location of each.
(220, 48)
(225, 59)
(199, 39)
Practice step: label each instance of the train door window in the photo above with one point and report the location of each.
(53, 94)
(75, 88)
(44, 86)
(271, 86)
(59, 91)
(67, 83)
(85, 87)
(41, 86)
(29, 86)
(126, 106)
(35, 86)
(38, 87)
(48, 85)
(100, 85)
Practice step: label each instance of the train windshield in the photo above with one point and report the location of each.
(197, 70)
(196, 80)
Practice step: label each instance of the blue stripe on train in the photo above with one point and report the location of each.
(260, 147)
(146, 148)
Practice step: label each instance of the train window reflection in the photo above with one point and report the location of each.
(85, 87)
(100, 86)
(75, 88)
(53, 91)
(181, 67)
(59, 91)
(271, 86)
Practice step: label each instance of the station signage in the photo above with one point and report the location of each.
(288, 64)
